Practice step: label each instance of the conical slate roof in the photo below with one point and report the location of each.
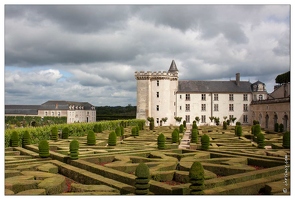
(173, 67)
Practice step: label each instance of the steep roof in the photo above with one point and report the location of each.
(214, 86)
(63, 105)
(22, 109)
(173, 67)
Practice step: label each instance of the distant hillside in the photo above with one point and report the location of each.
(115, 112)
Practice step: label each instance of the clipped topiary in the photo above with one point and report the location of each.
(281, 128)
(175, 136)
(137, 130)
(256, 129)
(196, 178)
(276, 127)
(74, 149)
(122, 130)
(91, 138)
(286, 140)
(118, 131)
(44, 149)
(54, 133)
(224, 125)
(99, 128)
(194, 138)
(260, 141)
(205, 141)
(184, 124)
(65, 133)
(112, 141)
(195, 126)
(181, 128)
(239, 130)
(95, 128)
(161, 141)
(26, 139)
(133, 131)
(14, 139)
(142, 185)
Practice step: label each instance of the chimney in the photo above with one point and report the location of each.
(238, 79)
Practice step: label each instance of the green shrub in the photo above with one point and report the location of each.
(26, 139)
(96, 128)
(195, 126)
(133, 131)
(255, 122)
(184, 124)
(142, 185)
(196, 178)
(74, 149)
(194, 138)
(161, 141)
(54, 133)
(276, 127)
(281, 128)
(44, 149)
(238, 123)
(260, 141)
(224, 125)
(137, 130)
(112, 141)
(205, 141)
(14, 140)
(181, 128)
(99, 128)
(256, 129)
(175, 136)
(286, 140)
(122, 130)
(65, 133)
(91, 138)
(118, 131)
(239, 130)
(152, 122)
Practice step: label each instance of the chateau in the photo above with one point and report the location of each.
(162, 95)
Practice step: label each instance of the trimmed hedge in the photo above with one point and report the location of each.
(239, 130)
(112, 141)
(14, 139)
(181, 128)
(260, 141)
(142, 185)
(256, 129)
(118, 131)
(196, 178)
(43, 149)
(205, 141)
(91, 138)
(74, 149)
(65, 133)
(161, 141)
(26, 138)
(194, 138)
(175, 136)
(54, 133)
(286, 140)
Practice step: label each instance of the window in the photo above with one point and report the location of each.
(157, 94)
(158, 83)
(179, 107)
(215, 97)
(180, 96)
(245, 118)
(157, 120)
(231, 107)
(245, 97)
(215, 107)
(187, 97)
(45, 113)
(203, 97)
(203, 107)
(58, 114)
(231, 97)
(203, 118)
(52, 113)
(231, 116)
(187, 107)
(260, 97)
(157, 107)
(187, 118)
(245, 107)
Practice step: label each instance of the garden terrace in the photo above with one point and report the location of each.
(232, 165)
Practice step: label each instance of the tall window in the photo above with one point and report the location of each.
(187, 97)
(158, 95)
(187, 118)
(179, 107)
(158, 108)
(203, 97)
(245, 107)
(158, 83)
(231, 116)
(180, 96)
(231, 97)
(245, 118)
(231, 107)
(58, 114)
(203, 107)
(215, 97)
(157, 120)
(52, 113)
(215, 107)
(45, 113)
(187, 107)
(203, 118)
(245, 97)
(260, 97)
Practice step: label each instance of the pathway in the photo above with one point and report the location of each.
(185, 141)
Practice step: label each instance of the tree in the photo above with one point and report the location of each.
(178, 119)
(197, 119)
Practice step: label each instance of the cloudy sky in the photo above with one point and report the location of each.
(90, 52)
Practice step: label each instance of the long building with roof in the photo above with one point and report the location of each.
(74, 111)
(162, 95)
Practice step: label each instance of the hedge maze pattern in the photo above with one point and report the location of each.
(232, 165)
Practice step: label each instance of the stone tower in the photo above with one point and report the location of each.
(156, 94)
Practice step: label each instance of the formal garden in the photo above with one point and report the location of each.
(126, 157)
